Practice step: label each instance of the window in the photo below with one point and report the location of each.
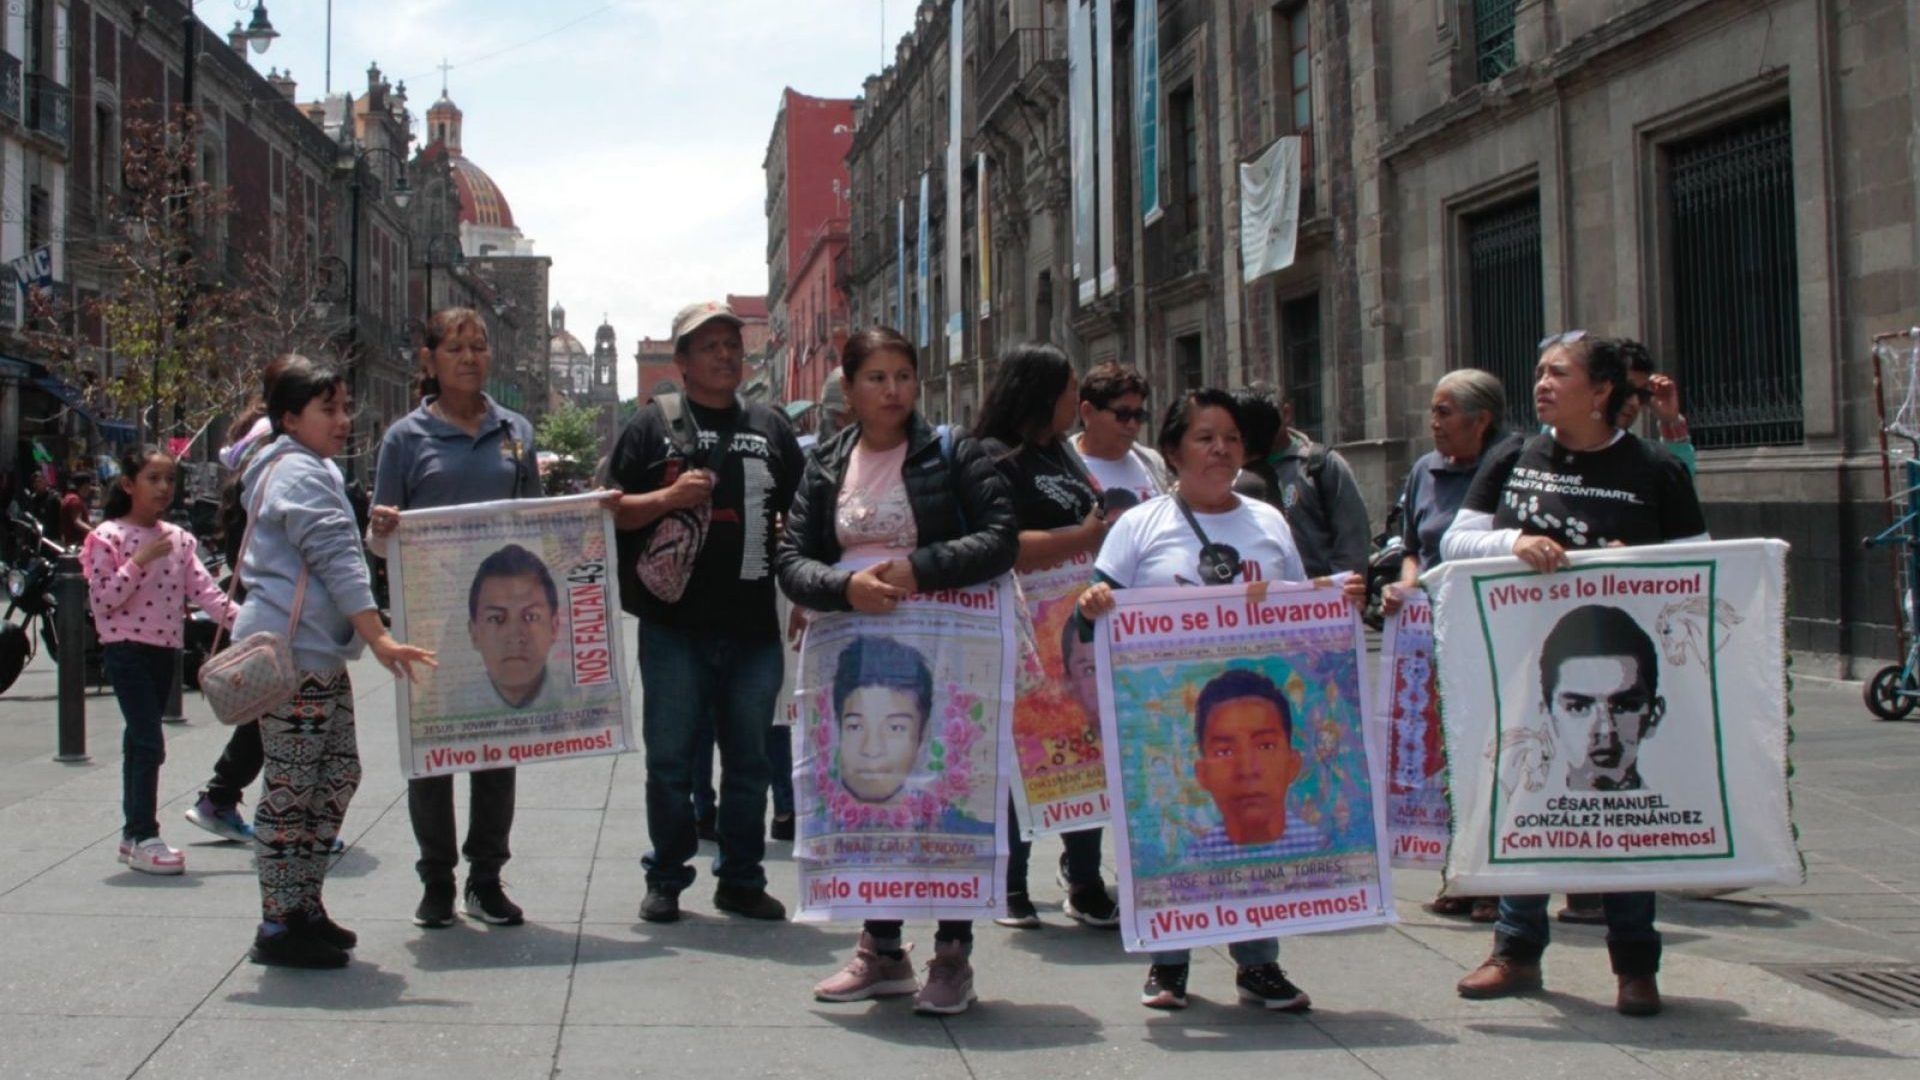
(1493, 37)
(1505, 306)
(1734, 283)
(39, 218)
(1185, 170)
(1192, 360)
(106, 156)
(1293, 61)
(1300, 363)
(1043, 307)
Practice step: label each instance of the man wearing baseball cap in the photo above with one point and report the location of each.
(706, 476)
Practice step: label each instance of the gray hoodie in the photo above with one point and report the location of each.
(304, 518)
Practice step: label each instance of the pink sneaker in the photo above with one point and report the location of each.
(949, 988)
(868, 975)
(153, 856)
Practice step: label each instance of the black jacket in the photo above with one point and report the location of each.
(953, 552)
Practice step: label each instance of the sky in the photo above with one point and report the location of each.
(628, 137)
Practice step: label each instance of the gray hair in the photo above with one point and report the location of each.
(1476, 392)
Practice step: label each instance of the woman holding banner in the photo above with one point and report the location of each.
(1464, 417)
(1031, 405)
(1204, 534)
(915, 510)
(457, 447)
(1584, 483)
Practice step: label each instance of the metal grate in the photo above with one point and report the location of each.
(1886, 990)
(1506, 308)
(1736, 283)
(1493, 37)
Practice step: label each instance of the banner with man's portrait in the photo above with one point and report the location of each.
(1618, 725)
(900, 758)
(521, 602)
(1415, 749)
(1062, 785)
(1236, 722)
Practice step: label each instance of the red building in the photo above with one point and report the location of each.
(807, 193)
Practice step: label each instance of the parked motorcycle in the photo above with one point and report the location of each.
(30, 581)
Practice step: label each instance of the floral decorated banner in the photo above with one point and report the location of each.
(1416, 752)
(1056, 717)
(899, 758)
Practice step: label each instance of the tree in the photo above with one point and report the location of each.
(570, 431)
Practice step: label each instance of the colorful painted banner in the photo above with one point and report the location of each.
(1082, 160)
(983, 232)
(1056, 717)
(521, 603)
(1105, 188)
(1619, 725)
(1146, 111)
(1415, 749)
(899, 759)
(922, 281)
(900, 265)
(1238, 765)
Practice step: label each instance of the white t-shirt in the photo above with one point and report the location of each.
(1153, 545)
(1129, 473)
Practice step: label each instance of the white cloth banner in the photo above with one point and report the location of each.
(1270, 209)
(900, 759)
(1415, 749)
(520, 601)
(1620, 725)
(1238, 751)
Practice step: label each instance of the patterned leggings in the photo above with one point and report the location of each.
(312, 768)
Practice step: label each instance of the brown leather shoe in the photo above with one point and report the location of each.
(1499, 977)
(1639, 996)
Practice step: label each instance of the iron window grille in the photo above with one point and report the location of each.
(1302, 366)
(1505, 304)
(1493, 37)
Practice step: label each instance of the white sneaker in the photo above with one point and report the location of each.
(153, 856)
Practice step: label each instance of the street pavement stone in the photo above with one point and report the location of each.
(108, 973)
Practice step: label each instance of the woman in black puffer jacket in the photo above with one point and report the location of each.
(914, 513)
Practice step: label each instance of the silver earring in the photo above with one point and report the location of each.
(1594, 415)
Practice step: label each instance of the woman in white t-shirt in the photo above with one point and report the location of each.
(1203, 534)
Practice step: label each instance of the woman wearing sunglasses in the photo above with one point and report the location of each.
(1203, 534)
(1584, 483)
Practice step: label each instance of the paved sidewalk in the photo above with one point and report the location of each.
(108, 973)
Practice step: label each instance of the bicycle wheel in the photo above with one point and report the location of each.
(1882, 693)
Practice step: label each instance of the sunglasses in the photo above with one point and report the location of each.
(1127, 416)
(1565, 338)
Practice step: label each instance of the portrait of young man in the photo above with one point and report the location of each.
(513, 619)
(1246, 762)
(882, 700)
(1600, 691)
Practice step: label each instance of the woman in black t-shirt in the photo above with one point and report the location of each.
(1032, 404)
(1584, 483)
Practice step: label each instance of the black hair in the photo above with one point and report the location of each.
(874, 339)
(883, 662)
(134, 458)
(257, 407)
(79, 480)
(1109, 382)
(1180, 413)
(1607, 360)
(439, 327)
(1026, 386)
(1260, 419)
(1639, 359)
(510, 561)
(1597, 630)
(301, 382)
(1232, 685)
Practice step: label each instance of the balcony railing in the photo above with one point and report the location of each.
(12, 94)
(49, 108)
(1018, 54)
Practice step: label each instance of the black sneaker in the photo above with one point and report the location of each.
(660, 905)
(1166, 987)
(782, 828)
(292, 949)
(707, 828)
(317, 923)
(748, 901)
(487, 901)
(1092, 905)
(436, 906)
(1020, 913)
(1266, 985)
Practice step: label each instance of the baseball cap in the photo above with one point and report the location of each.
(694, 316)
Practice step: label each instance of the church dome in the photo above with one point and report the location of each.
(482, 203)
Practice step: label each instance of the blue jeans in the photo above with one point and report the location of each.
(1245, 953)
(1632, 942)
(779, 773)
(687, 677)
(142, 678)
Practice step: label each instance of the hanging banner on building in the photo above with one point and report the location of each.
(1103, 132)
(1056, 718)
(922, 283)
(1235, 722)
(899, 753)
(1415, 748)
(1270, 209)
(955, 237)
(1080, 143)
(1620, 725)
(983, 226)
(900, 266)
(521, 604)
(1146, 112)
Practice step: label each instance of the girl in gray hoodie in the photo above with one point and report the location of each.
(304, 551)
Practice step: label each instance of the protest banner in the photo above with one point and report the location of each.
(1415, 749)
(1236, 722)
(1619, 725)
(520, 601)
(899, 756)
(1062, 783)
